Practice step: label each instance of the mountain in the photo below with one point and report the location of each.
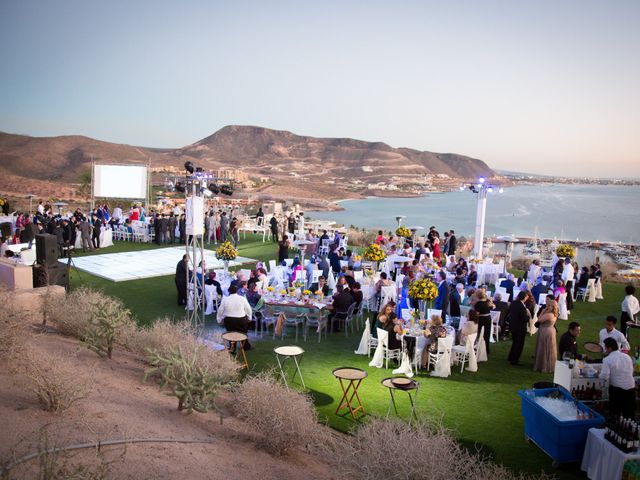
(322, 167)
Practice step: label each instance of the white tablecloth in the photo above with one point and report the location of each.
(601, 459)
(106, 238)
(27, 257)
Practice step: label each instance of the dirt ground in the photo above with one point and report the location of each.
(120, 406)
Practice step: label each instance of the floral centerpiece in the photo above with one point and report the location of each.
(226, 252)
(306, 293)
(403, 232)
(422, 290)
(565, 250)
(373, 253)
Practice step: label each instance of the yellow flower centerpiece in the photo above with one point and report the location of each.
(306, 292)
(403, 232)
(270, 289)
(226, 252)
(422, 290)
(373, 253)
(565, 250)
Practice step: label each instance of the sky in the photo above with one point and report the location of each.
(551, 87)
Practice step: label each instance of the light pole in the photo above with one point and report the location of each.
(481, 189)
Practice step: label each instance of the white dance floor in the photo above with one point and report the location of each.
(120, 267)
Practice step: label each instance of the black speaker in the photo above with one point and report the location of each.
(47, 249)
(44, 276)
(5, 229)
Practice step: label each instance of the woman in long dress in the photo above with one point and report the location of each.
(545, 360)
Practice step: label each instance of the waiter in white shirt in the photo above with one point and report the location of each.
(609, 331)
(617, 368)
(235, 312)
(630, 308)
(568, 273)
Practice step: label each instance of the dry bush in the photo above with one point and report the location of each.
(12, 331)
(72, 313)
(54, 381)
(109, 316)
(521, 263)
(361, 237)
(389, 444)
(284, 418)
(162, 333)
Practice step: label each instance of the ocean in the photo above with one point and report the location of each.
(566, 212)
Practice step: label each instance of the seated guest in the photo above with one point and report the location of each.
(383, 282)
(387, 321)
(407, 251)
(472, 277)
(470, 327)
(422, 251)
(559, 290)
(320, 285)
(341, 285)
(617, 368)
(460, 277)
(568, 342)
(341, 303)
(502, 307)
(356, 294)
(380, 237)
(534, 271)
(434, 331)
(466, 301)
(583, 278)
(451, 263)
(455, 301)
(253, 296)
(235, 313)
(540, 288)
(211, 280)
(609, 331)
(508, 284)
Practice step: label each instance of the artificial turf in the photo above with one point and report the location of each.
(482, 408)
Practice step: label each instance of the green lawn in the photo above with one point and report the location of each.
(482, 408)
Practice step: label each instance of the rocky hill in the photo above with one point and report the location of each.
(297, 166)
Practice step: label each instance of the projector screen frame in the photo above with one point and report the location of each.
(117, 164)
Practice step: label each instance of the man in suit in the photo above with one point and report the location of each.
(472, 278)
(181, 280)
(452, 242)
(442, 300)
(540, 288)
(224, 227)
(156, 229)
(518, 317)
(172, 228)
(85, 234)
(273, 224)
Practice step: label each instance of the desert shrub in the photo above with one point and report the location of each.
(109, 315)
(54, 381)
(193, 373)
(12, 331)
(432, 450)
(163, 333)
(72, 313)
(283, 418)
(361, 238)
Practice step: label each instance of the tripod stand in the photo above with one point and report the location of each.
(70, 262)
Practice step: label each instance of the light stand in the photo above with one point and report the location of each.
(481, 189)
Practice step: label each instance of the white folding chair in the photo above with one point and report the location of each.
(495, 327)
(591, 290)
(387, 294)
(433, 311)
(383, 353)
(441, 356)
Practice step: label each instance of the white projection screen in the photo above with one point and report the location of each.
(120, 181)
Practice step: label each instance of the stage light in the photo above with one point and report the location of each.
(478, 186)
(214, 189)
(501, 190)
(180, 187)
(199, 169)
(226, 189)
(490, 189)
(462, 188)
(188, 166)
(205, 191)
(481, 179)
(170, 186)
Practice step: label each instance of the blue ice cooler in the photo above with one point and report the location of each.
(563, 441)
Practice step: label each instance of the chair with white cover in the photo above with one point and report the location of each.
(344, 263)
(272, 266)
(387, 294)
(441, 359)
(563, 313)
(343, 242)
(466, 353)
(365, 340)
(481, 347)
(599, 289)
(324, 247)
(495, 326)
(406, 313)
(358, 275)
(383, 354)
(212, 301)
(591, 290)
(331, 282)
(503, 293)
(433, 311)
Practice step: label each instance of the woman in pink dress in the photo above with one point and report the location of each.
(546, 356)
(436, 249)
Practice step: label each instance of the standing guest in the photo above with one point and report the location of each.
(445, 245)
(235, 312)
(283, 249)
(534, 271)
(172, 228)
(436, 249)
(233, 229)
(617, 368)
(224, 227)
(630, 308)
(568, 343)
(291, 224)
(453, 242)
(260, 217)
(380, 237)
(609, 331)
(455, 300)
(483, 306)
(273, 224)
(85, 234)
(442, 299)
(501, 306)
(567, 278)
(182, 226)
(181, 280)
(95, 239)
(156, 229)
(546, 353)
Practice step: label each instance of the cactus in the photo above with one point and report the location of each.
(108, 316)
(194, 385)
